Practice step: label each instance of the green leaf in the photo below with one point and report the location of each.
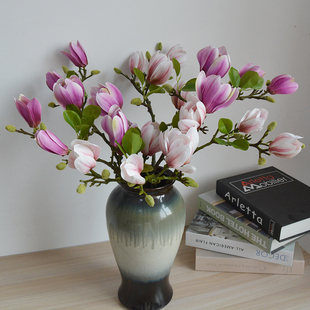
(139, 75)
(241, 144)
(70, 73)
(234, 77)
(163, 126)
(259, 84)
(176, 66)
(190, 85)
(221, 141)
(155, 89)
(73, 107)
(225, 125)
(249, 79)
(82, 131)
(72, 118)
(91, 111)
(147, 168)
(132, 142)
(176, 119)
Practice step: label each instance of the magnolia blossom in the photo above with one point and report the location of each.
(83, 155)
(115, 124)
(213, 94)
(106, 97)
(139, 61)
(30, 110)
(178, 103)
(251, 67)
(69, 91)
(214, 60)
(178, 53)
(49, 142)
(150, 136)
(192, 114)
(51, 78)
(253, 121)
(285, 145)
(77, 54)
(179, 148)
(282, 84)
(131, 169)
(160, 69)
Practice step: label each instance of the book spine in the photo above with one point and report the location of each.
(233, 224)
(237, 248)
(236, 264)
(249, 210)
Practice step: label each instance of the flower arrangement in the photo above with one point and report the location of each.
(137, 152)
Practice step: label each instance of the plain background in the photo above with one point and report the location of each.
(39, 207)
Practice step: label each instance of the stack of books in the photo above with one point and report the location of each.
(250, 223)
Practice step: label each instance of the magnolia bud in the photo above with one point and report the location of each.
(268, 82)
(81, 189)
(65, 69)
(272, 126)
(105, 174)
(150, 200)
(159, 46)
(148, 55)
(261, 161)
(270, 99)
(190, 182)
(95, 72)
(42, 126)
(136, 101)
(238, 136)
(118, 71)
(10, 128)
(61, 166)
(52, 105)
(303, 146)
(168, 88)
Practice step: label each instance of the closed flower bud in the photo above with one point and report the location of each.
(105, 174)
(52, 105)
(136, 101)
(272, 126)
(81, 189)
(43, 126)
(148, 55)
(270, 99)
(238, 136)
(118, 71)
(168, 88)
(61, 166)
(65, 69)
(159, 46)
(261, 161)
(150, 200)
(95, 72)
(10, 128)
(190, 182)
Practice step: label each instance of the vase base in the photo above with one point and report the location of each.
(136, 295)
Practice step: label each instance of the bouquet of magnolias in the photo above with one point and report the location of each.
(140, 156)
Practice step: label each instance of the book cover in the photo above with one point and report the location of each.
(213, 261)
(216, 207)
(272, 199)
(207, 233)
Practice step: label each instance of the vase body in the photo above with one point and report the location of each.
(145, 241)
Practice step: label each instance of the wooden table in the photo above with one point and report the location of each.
(86, 277)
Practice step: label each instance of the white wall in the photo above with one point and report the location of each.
(39, 207)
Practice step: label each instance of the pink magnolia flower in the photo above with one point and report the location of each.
(30, 110)
(139, 61)
(213, 94)
(49, 142)
(251, 67)
(214, 60)
(177, 53)
(192, 114)
(160, 69)
(178, 103)
(179, 148)
(282, 84)
(51, 78)
(285, 145)
(69, 91)
(77, 54)
(131, 169)
(253, 121)
(115, 124)
(150, 136)
(83, 155)
(106, 97)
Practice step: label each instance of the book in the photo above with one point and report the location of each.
(207, 233)
(272, 199)
(216, 207)
(213, 261)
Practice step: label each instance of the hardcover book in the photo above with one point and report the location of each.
(216, 207)
(272, 199)
(213, 261)
(207, 233)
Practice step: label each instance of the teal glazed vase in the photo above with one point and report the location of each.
(145, 241)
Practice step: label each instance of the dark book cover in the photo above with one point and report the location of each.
(277, 202)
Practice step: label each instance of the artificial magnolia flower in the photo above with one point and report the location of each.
(214, 60)
(160, 69)
(77, 54)
(51, 78)
(253, 121)
(213, 94)
(30, 110)
(251, 67)
(83, 155)
(131, 169)
(137, 60)
(150, 136)
(282, 84)
(69, 91)
(50, 143)
(177, 53)
(285, 145)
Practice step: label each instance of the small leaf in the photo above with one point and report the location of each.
(163, 126)
(190, 85)
(155, 89)
(221, 141)
(176, 66)
(132, 142)
(92, 111)
(234, 77)
(241, 144)
(70, 73)
(225, 125)
(72, 118)
(73, 107)
(147, 168)
(176, 119)
(139, 75)
(82, 131)
(249, 79)
(259, 84)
